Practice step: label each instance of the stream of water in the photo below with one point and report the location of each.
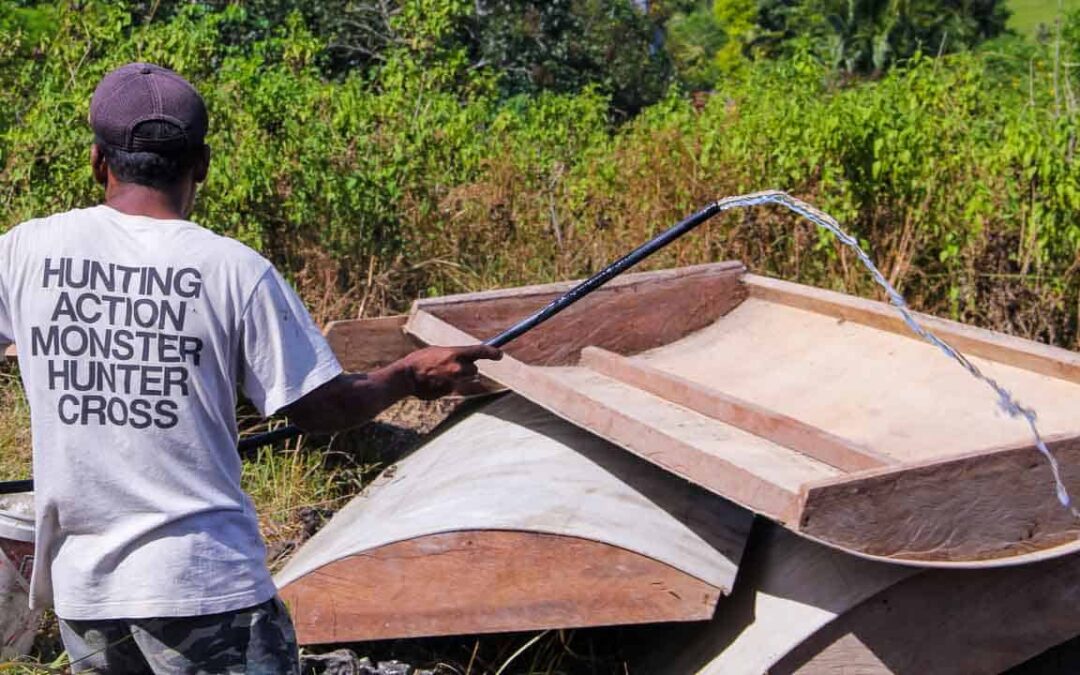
(1005, 399)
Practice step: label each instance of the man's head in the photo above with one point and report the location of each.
(149, 127)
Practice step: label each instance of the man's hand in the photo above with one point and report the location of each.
(437, 370)
(354, 398)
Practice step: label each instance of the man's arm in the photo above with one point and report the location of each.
(350, 399)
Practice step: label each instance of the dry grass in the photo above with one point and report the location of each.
(15, 447)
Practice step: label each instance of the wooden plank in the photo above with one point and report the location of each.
(777, 427)
(1039, 358)
(630, 314)
(742, 467)
(487, 582)
(363, 345)
(980, 507)
(948, 621)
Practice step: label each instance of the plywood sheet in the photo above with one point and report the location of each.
(790, 588)
(740, 466)
(513, 467)
(946, 621)
(901, 397)
(643, 310)
(362, 345)
(489, 581)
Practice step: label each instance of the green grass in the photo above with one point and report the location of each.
(1028, 14)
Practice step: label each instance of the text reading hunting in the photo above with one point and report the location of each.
(115, 343)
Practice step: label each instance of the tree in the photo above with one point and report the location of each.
(696, 42)
(868, 36)
(566, 45)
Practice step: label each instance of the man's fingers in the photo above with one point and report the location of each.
(467, 370)
(474, 352)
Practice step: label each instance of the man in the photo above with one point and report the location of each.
(135, 327)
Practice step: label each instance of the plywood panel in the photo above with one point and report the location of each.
(713, 402)
(900, 397)
(489, 581)
(745, 468)
(981, 506)
(945, 621)
(1006, 349)
(631, 313)
(617, 525)
(788, 590)
(362, 345)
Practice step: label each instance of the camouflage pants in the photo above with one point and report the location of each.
(258, 640)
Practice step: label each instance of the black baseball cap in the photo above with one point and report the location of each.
(141, 107)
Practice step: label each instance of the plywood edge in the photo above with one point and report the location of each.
(489, 581)
(669, 453)
(980, 509)
(1034, 356)
(362, 345)
(779, 428)
(557, 288)
(942, 621)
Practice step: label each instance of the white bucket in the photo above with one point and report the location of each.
(18, 623)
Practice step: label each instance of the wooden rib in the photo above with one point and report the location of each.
(630, 314)
(362, 345)
(977, 508)
(489, 581)
(770, 488)
(1013, 351)
(777, 427)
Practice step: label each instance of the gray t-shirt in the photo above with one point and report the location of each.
(133, 335)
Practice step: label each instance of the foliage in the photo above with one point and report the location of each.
(422, 177)
(534, 45)
(696, 41)
(863, 36)
(567, 45)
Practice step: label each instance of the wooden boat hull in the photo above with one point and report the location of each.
(816, 409)
(514, 520)
(801, 607)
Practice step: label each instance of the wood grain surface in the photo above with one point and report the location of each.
(983, 506)
(713, 402)
(486, 582)
(630, 314)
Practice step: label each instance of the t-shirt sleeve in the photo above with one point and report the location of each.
(284, 355)
(7, 326)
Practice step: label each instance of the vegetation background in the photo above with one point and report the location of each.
(383, 150)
